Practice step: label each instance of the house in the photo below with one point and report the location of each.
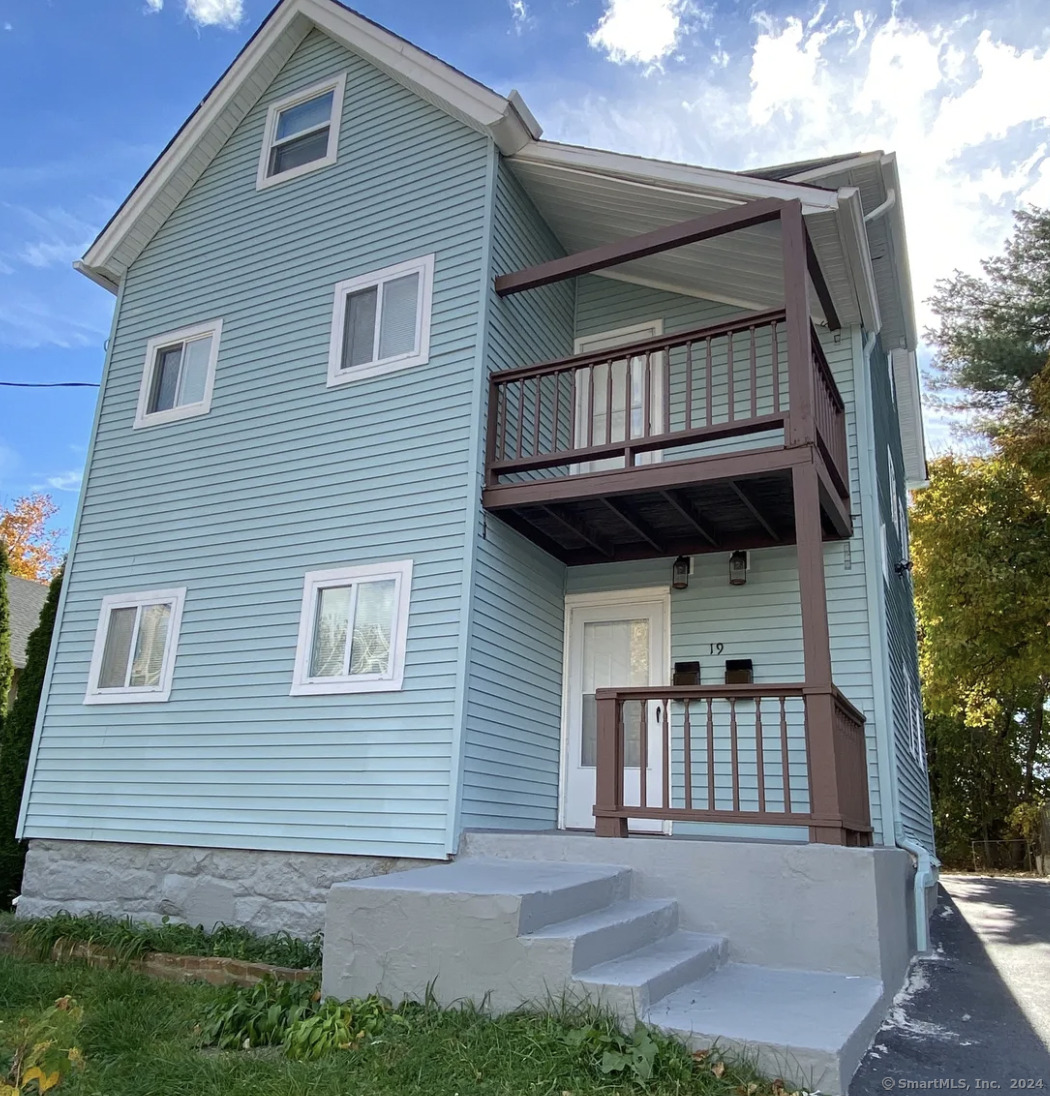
(25, 600)
(460, 495)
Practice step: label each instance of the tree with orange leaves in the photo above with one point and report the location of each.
(31, 544)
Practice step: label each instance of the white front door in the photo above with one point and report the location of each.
(612, 644)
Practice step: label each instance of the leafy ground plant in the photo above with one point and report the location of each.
(141, 1037)
(38, 1053)
(258, 1016)
(130, 939)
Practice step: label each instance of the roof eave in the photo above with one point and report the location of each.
(508, 121)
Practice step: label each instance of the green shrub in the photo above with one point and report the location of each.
(259, 1015)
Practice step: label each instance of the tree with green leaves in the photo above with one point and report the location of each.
(16, 740)
(981, 549)
(993, 335)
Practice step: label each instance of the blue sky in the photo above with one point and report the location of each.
(93, 91)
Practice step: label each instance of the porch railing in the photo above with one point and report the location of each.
(787, 755)
(659, 395)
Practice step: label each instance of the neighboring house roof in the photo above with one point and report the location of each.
(25, 599)
(587, 196)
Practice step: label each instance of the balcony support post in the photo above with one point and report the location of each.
(801, 424)
(827, 826)
(609, 770)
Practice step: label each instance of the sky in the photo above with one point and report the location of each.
(93, 90)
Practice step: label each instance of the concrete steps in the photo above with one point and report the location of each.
(507, 932)
(806, 1026)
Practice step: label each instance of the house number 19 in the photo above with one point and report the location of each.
(716, 648)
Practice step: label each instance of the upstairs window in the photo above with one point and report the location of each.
(302, 132)
(353, 630)
(381, 321)
(134, 653)
(179, 373)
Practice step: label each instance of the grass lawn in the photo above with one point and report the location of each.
(140, 1037)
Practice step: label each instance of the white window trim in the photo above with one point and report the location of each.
(142, 694)
(314, 582)
(145, 417)
(419, 355)
(333, 83)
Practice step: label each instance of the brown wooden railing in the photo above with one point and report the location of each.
(662, 394)
(830, 414)
(733, 753)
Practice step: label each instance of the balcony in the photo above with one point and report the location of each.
(784, 755)
(674, 445)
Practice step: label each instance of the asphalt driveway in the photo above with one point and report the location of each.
(976, 1014)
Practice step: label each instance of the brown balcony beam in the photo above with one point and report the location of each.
(688, 512)
(820, 286)
(639, 247)
(634, 525)
(754, 511)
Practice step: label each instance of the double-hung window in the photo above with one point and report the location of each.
(353, 629)
(381, 321)
(302, 132)
(179, 374)
(135, 642)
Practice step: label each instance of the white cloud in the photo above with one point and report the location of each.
(59, 237)
(7, 26)
(519, 15)
(642, 31)
(154, 5)
(66, 481)
(215, 13)
(966, 112)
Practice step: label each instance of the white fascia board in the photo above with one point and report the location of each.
(816, 173)
(508, 121)
(502, 118)
(170, 162)
(905, 368)
(720, 184)
(855, 244)
(892, 183)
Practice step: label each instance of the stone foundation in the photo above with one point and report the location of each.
(263, 891)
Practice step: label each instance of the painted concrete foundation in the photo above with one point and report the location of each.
(265, 891)
(805, 907)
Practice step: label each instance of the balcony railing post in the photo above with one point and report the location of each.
(826, 825)
(492, 428)
(609, 768)
(801, 427)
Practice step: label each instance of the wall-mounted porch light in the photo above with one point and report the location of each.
(738, 569)
(680, 573)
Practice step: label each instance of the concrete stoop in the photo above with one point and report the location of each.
(504, 933)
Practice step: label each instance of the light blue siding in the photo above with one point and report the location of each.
(282, 476)
(913, 787)
(513, 725)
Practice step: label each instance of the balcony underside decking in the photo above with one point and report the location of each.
(687, 507)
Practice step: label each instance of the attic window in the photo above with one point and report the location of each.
(302, 132)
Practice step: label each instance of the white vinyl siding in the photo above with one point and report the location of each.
(302, 132)
(135, 643)
(179, 374)
(353, 630)
(381, 321)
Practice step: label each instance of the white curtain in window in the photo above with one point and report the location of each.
(373, 627)
(195, 357)
(397, 333)
(114, 670)
(330, 628)
(360, 327)
(149, 645)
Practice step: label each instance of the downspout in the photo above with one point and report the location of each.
(879, 210)
(926, 876)
(927, 865)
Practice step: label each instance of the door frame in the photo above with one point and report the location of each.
(634, 595)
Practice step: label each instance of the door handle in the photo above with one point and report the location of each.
(659, 712)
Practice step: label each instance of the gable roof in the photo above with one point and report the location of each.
(507, 120)
(25, 600)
